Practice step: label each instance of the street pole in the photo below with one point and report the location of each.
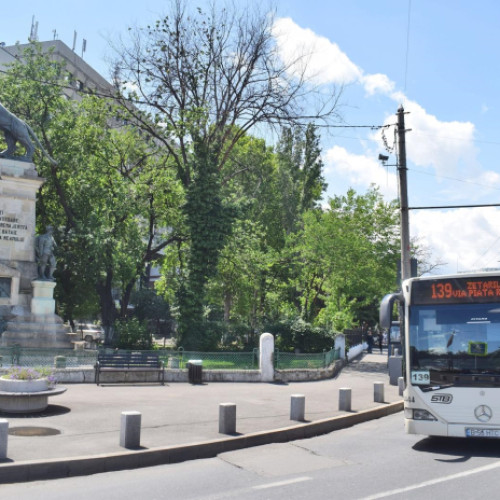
(403, 198)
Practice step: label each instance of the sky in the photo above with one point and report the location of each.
(436, 58)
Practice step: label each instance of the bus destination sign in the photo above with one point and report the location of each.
(456, 290)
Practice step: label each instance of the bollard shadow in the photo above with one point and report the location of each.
(233, 434)
(50, 411)
(458, 449)
(6, 461)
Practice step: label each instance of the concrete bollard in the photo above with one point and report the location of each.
(4, 436)
(401, 385)
(378, 392)
(345, 399)
(130, 430)
(297, 407)
(227, 418)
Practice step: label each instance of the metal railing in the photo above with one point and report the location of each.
(291, 360)
(248, 360)
(30, 357)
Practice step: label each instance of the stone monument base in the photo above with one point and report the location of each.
(32, 330)
(39, 327)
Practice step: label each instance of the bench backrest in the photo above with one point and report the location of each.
(129, 359)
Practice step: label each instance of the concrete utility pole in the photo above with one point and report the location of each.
(403, 198)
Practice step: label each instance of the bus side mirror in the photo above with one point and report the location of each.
(385, 319)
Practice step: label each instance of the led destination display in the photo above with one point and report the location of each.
(456, 290)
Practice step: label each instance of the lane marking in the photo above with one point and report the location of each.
(283, 483)
(452, 477)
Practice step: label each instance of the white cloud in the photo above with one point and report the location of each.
(466, 239)
(319, 59)
(378, 83)
(360, 170)
(446, 146)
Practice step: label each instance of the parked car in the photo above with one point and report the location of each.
(90, 332)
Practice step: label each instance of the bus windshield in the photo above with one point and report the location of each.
(455, 345)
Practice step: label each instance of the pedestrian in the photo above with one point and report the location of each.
(369, 340)
(380, 342)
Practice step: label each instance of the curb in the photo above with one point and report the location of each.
(37, 470)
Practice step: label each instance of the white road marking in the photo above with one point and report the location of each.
(282, 483)
(431, 482)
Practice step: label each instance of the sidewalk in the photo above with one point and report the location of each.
(85, 420)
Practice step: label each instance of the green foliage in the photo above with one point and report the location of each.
(107, 196)
(291, 335)
(347, 256)
(133, 334)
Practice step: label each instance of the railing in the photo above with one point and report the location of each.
(249, 360)
(26, 356)
(290, 361)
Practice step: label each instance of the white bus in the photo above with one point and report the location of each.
(451, 355)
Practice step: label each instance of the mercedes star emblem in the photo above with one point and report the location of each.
(483, 413)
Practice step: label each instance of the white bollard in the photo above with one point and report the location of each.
(4, 436)
(401, 385)
(227, 418)
(130, 430)
(266, 359)
(345, 399)
(378, 392)
(297, 407)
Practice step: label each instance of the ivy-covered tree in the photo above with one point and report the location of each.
(207, 78)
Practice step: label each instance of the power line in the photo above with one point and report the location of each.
(465, 181)
(139, 101)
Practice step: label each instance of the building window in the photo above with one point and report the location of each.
(5, 287)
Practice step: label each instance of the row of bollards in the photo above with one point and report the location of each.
(130, 428)
(131, 421)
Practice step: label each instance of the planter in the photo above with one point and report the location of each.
(15, 385)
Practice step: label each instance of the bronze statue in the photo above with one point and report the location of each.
(15, 130)
(45, 246)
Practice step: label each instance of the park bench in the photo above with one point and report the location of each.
(136, 362)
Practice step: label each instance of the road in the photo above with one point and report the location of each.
(369, 461)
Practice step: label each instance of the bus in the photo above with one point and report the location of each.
(451, 353)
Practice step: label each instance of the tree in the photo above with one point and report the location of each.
(347, 257)
(109, 196)
(206, 79)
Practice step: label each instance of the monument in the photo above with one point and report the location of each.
(27, 263)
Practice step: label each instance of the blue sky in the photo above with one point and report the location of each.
(438, 58)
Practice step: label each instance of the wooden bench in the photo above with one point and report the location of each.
(137, 362)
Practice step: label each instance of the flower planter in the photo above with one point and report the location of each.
(15, 385)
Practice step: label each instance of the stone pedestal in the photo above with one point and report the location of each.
(26, 303)
(43, 302)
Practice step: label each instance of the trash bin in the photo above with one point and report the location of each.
(195, 371)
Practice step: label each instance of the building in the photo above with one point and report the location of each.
(80, 76)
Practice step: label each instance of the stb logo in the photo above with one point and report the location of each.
(445, 399)
(483, 413)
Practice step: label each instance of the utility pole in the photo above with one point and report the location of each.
(403, 198)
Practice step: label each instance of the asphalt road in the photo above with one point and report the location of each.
(368, 461)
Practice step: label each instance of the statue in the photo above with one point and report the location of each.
(15, 130)
(44, 250)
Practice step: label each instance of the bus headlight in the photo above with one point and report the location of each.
(418, 414)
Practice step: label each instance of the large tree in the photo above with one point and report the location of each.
(202, 80)
(346, 257)
(110, 195)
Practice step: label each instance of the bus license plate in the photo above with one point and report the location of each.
(486, 433)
